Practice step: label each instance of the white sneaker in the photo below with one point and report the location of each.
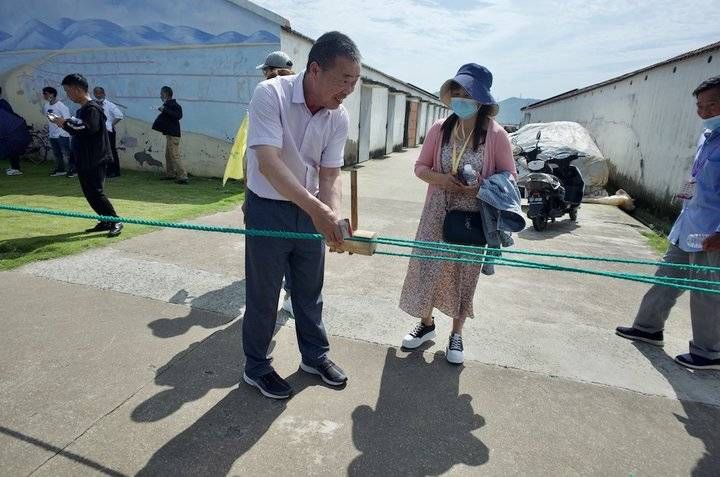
(287, 305)
(13, 172)
(454, 351)
(419, 335)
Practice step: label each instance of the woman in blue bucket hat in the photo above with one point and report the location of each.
(458, 154)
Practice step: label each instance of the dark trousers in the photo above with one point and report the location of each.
(64, 161)
(266, 261)
(91, 182)
(113, 168)
(14, 161)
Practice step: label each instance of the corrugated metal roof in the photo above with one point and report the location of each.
(575, 92)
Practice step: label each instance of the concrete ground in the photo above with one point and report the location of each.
(126, 360)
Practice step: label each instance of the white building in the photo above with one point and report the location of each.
(645, 122)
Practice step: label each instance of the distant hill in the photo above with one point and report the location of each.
(95, 33)
(510, 109)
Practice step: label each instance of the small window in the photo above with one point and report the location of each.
(615, 87)
(646, 76)
(709, 58)
(674, 69)
(630, 82)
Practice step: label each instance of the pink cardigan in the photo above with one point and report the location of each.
(498, 153)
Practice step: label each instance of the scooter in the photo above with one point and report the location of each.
(553, 187)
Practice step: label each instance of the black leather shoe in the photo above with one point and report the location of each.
(115, 229)
(330, 372)
(99, 227)
(637, 335)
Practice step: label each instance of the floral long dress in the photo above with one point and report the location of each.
(443, 285)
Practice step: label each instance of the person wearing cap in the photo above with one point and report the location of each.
(468, 138)
(277, 60)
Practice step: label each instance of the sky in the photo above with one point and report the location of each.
(534, 48)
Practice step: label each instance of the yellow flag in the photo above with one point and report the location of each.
(234, 167)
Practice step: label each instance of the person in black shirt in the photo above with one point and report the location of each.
(91, 147)
(168, 123)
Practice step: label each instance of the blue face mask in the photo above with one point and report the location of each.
(712, 123)
(464, 107)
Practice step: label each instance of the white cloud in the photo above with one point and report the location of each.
(534, 48)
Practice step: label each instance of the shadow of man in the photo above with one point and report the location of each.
(703, 420)
(223, 305)
(212, 444)
(420, 424)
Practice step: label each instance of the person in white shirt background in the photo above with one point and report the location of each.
(59, 139)
(113, 115)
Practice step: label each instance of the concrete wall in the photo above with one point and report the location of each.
(646, 124)
(379, 121)
(181, 44)
(366, 97)
(422, 121)
(395, 122)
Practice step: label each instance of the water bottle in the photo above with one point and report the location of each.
(469, 175)
(696, 240)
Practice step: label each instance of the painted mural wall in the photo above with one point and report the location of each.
(206, 51)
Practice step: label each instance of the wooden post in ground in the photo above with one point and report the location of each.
(354, 198)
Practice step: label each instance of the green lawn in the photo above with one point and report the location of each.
(28, 237)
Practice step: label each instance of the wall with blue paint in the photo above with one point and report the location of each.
(206, 51)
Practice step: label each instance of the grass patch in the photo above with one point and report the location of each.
(658, 242)
(27, 237)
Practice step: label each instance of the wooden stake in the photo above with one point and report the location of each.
(353, 199)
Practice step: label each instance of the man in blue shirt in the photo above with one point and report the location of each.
(694, 239)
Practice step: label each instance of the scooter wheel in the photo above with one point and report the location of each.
(539, 223)
(573, 215)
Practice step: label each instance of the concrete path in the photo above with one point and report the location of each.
(127, 359)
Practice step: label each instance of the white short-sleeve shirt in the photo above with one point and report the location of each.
(58, 109)
(112, 112)
(279, 117)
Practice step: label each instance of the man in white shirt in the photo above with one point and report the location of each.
(59, 138)
(113, 115)
(296, 139)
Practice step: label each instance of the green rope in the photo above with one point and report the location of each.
(491, 259)
(623, 276)
(470, 251)
(458, 248)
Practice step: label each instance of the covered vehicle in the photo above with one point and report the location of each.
(562, 139)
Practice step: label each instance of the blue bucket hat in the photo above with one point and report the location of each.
(475, 79)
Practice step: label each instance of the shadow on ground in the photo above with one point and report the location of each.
(560, 227)
(209, 310)
(701, 421)
(212, 444)
(421, 425)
